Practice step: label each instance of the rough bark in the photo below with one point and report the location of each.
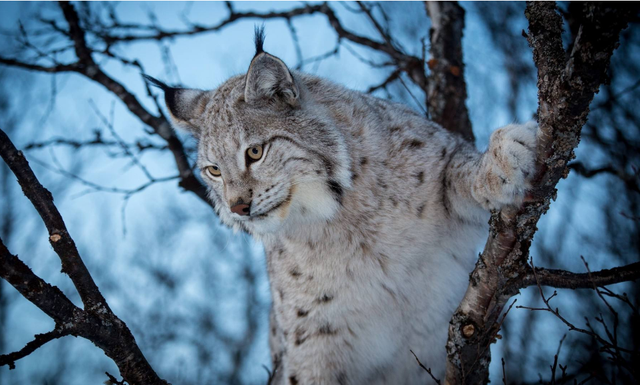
(566, 88)
(96, 322)
(446, 87)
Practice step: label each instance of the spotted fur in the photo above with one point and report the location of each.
(370, 215)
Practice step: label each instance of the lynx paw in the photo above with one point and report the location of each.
(507, 166)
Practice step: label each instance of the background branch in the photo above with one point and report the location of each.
(32, 346)
(630, 180)
(562, 279)
(446, 87)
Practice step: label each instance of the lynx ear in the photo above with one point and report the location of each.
(268, 78)
(184, 104)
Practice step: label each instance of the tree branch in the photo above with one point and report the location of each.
(86, 65)
(158, 34)
(59, 237)
(96, 322)
(563, 279)
(139, 146)
(413, 66)
(607, 344)
(446, 88)
(631, 181)
(40, 340)
(35, 67)
(160, 125)
(566, 87)
(47, 298)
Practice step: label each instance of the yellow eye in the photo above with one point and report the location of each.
(214, 170)
(255, 153)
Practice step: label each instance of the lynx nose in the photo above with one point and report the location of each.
(240, 207)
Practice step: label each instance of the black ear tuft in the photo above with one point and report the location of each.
(184, 104)
(156, 83)
(258, 39)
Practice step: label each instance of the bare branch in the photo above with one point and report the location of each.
(446, 88)
(89, 68)
(98, 187)
(428, 370)
(96, 322)
(97, 141)
(123, 145)
(47, 298)
(413, 66)
(39, 68)
(631, 181)
(563, 279)
(609, 345)
(383, 33)
(158, 34)
(160, 125)
(40, 340)
(59, 237)
(390, 79)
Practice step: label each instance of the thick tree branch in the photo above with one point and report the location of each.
(446, 88)
(566, 87)
(59, 237)
(96, 322)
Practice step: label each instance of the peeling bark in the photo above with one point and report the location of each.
(566, 88)
(446, 88)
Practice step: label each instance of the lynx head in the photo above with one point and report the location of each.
(269, 153)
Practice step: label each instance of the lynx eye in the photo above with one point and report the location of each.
(214, 170)
(255, 153)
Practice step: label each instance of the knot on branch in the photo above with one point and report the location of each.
(55, 237)
(468, 330)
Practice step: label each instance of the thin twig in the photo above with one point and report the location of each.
(428, 370)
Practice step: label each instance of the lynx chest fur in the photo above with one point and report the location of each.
(369, 213)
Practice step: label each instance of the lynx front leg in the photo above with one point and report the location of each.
(505, 169)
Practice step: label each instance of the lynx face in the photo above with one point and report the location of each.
(268, 154)
(261, 171)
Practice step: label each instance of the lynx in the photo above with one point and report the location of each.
(371, 216)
